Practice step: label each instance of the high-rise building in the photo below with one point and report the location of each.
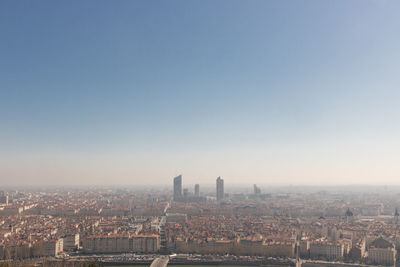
(220, 189)
(178, 188)
(257, 190)
(185, 192)
(4, 199)
(196, 190)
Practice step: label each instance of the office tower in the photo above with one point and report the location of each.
(178, 188)
(196, 190)
(185, 192)
(3, 198)
(257, 190)
(220, 189)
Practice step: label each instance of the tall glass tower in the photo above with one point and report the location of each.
(220, 189)
(178, 188)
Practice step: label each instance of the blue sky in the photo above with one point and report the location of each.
(135, 92)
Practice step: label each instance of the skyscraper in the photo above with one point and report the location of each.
(196, 190)
(178, 188)
(257, 190)
(220, 189)
(185, 193)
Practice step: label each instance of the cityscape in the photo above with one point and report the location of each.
(219, 133)
(340, 226)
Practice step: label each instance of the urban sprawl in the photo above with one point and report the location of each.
(338, 225)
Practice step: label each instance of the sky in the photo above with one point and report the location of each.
(137, 92)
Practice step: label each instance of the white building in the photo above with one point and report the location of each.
(326, 250)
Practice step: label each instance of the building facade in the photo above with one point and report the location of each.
(71, 242)
(326, 251)
(381, 252)
(121, 244)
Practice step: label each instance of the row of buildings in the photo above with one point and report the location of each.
(90, 244)
(379, 252)
(43, 248)
(121, 244)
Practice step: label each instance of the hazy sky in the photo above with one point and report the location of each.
(136, 92)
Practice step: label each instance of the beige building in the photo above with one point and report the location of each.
(71, 242)
(47, 248)
(118, 244)
(381, 252)
(263, 248)
(326, 250)
(210, 246)
(106, 244)
(18, 251)
(145, 243)
(237, 247)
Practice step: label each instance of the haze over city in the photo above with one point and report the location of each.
(138, 92)
(199, 133)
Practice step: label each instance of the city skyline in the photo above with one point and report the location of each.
(199, 133)
(112, 225)
(266, 92)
